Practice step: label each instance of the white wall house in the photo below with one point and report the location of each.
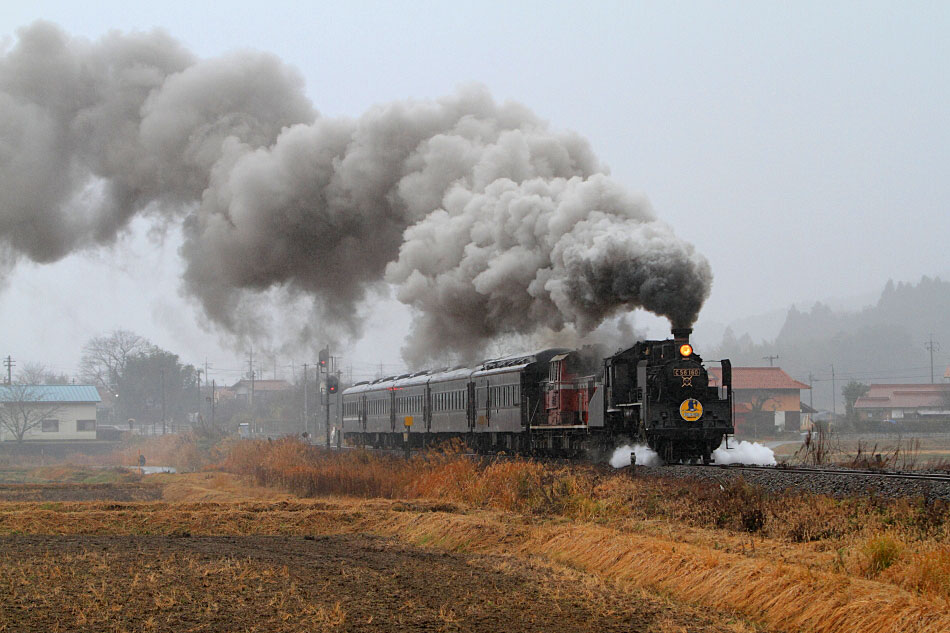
(52, 412)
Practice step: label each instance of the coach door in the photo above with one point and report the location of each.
(361, 403)
(392, 410)
(427, 408)
(471, 408)
(482, 404)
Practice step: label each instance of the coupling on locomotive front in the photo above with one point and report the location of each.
(553, 402)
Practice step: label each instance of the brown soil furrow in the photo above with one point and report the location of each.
(330, 583)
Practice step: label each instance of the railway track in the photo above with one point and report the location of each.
(844, 472)
(802, 470)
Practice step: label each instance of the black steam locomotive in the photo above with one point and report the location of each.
(554, 402)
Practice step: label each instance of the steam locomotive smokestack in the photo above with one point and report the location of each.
(681, 335)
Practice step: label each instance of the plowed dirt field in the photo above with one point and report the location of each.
(107, 579)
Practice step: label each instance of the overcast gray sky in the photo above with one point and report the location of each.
(802, 147)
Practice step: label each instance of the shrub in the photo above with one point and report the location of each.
(881, 552)
(743, 506)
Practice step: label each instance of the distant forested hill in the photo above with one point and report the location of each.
(885, 342)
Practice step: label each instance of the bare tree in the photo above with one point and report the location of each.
(22, 409)
(38, 374)
(104, 357)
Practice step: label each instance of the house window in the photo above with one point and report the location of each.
(85, 425)
(50, 426)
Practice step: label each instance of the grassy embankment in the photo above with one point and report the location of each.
(796, 562)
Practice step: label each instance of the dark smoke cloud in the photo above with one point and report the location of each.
(94, 133)
(487, 222)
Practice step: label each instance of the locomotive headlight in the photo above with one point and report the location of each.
(686, 349)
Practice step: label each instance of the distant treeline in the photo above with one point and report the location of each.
(883, 343)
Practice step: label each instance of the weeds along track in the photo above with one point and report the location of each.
(833, 481)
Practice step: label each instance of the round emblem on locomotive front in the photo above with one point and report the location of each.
(691, 409)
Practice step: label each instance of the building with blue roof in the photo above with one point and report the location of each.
(48, 412)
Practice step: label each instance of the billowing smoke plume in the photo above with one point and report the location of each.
(485, 220)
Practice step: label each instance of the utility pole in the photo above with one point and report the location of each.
(931, 346)
(212, 406)
(811, 392)
(327, 391)
(339, 407)
(250, 369)
(9, 362)
(323, 361)
(163, 401)
(198, 415)
(834, 396)
(306, 420)
(770, 359)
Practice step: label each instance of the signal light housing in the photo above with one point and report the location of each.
(333, 383)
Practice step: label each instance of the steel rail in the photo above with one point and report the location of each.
(852, 472)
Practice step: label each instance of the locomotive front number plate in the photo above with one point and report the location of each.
(691, 409)
(687, 375)
(689, 371)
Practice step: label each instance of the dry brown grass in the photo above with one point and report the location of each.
(791, 562)
(833, 535)
(782, 596)
(721, 568)
(185, 452)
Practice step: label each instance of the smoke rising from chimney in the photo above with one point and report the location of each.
(485, 220)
